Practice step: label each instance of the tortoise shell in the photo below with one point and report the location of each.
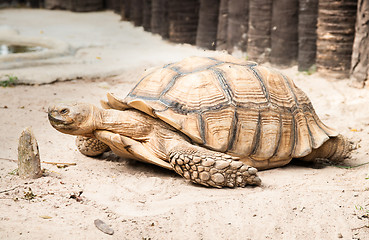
(233, 106)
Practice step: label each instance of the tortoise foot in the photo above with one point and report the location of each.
(90, 146)
(215, 169)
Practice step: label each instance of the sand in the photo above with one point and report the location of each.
(140, 201)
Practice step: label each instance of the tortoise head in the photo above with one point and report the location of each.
(74, 119)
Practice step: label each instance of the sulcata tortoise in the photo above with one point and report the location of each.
(213, 120)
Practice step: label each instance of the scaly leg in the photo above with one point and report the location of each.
(91, 146)
(211, 168)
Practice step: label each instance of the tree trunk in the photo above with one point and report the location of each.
(308, 12)
(335, 35)
(260, 16)
(35, 3)
(159, 18)
(360, 55)
(75, 5)
(126, 10)
(283, 36)
(238, 21)
(146, 21)
(117, 6)
(208, 24)
(109, 4)
(85, 5)
(57, 4)
(183, 20)
(222, 30)
(136, 12)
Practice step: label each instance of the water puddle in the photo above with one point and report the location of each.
(10, 49)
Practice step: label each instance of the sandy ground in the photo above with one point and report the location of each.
(141, 201)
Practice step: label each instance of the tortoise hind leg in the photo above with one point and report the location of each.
(91, 146)
(211, 168)
(335, 149)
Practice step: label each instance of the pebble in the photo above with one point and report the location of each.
(103, 227)
(29, 165)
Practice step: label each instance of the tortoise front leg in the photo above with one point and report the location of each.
(211, 168)
(91, 146)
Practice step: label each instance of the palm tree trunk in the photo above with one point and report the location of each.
(35, 3)
(126, 10)
(85, 5)
(208, 24)
(57, 4)
(284, 32)
(159, 18)
(258, 43)
(146, 20)
(136, 12)
(117, 6)
(222, 25)
(238, 25)
(308, 12)
(335, 35)
(183, 20)
(360, 54)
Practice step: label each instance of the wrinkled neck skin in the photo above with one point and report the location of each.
(157, 136)
(129, 123)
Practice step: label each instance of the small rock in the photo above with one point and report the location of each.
(29, 165)
(103, 227)
(340, 235)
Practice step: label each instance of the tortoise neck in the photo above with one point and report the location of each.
(129, 123)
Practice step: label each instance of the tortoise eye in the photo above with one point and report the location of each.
(64, 111)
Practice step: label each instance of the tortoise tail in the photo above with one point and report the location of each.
(335, 149)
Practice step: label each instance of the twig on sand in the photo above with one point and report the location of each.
(53, 163)
(8, 159)
(11, 189)
(357, 228)
(59, 163)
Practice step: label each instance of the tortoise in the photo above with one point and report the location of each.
(213, 120)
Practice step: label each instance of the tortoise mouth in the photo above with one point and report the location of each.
(58, 121)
